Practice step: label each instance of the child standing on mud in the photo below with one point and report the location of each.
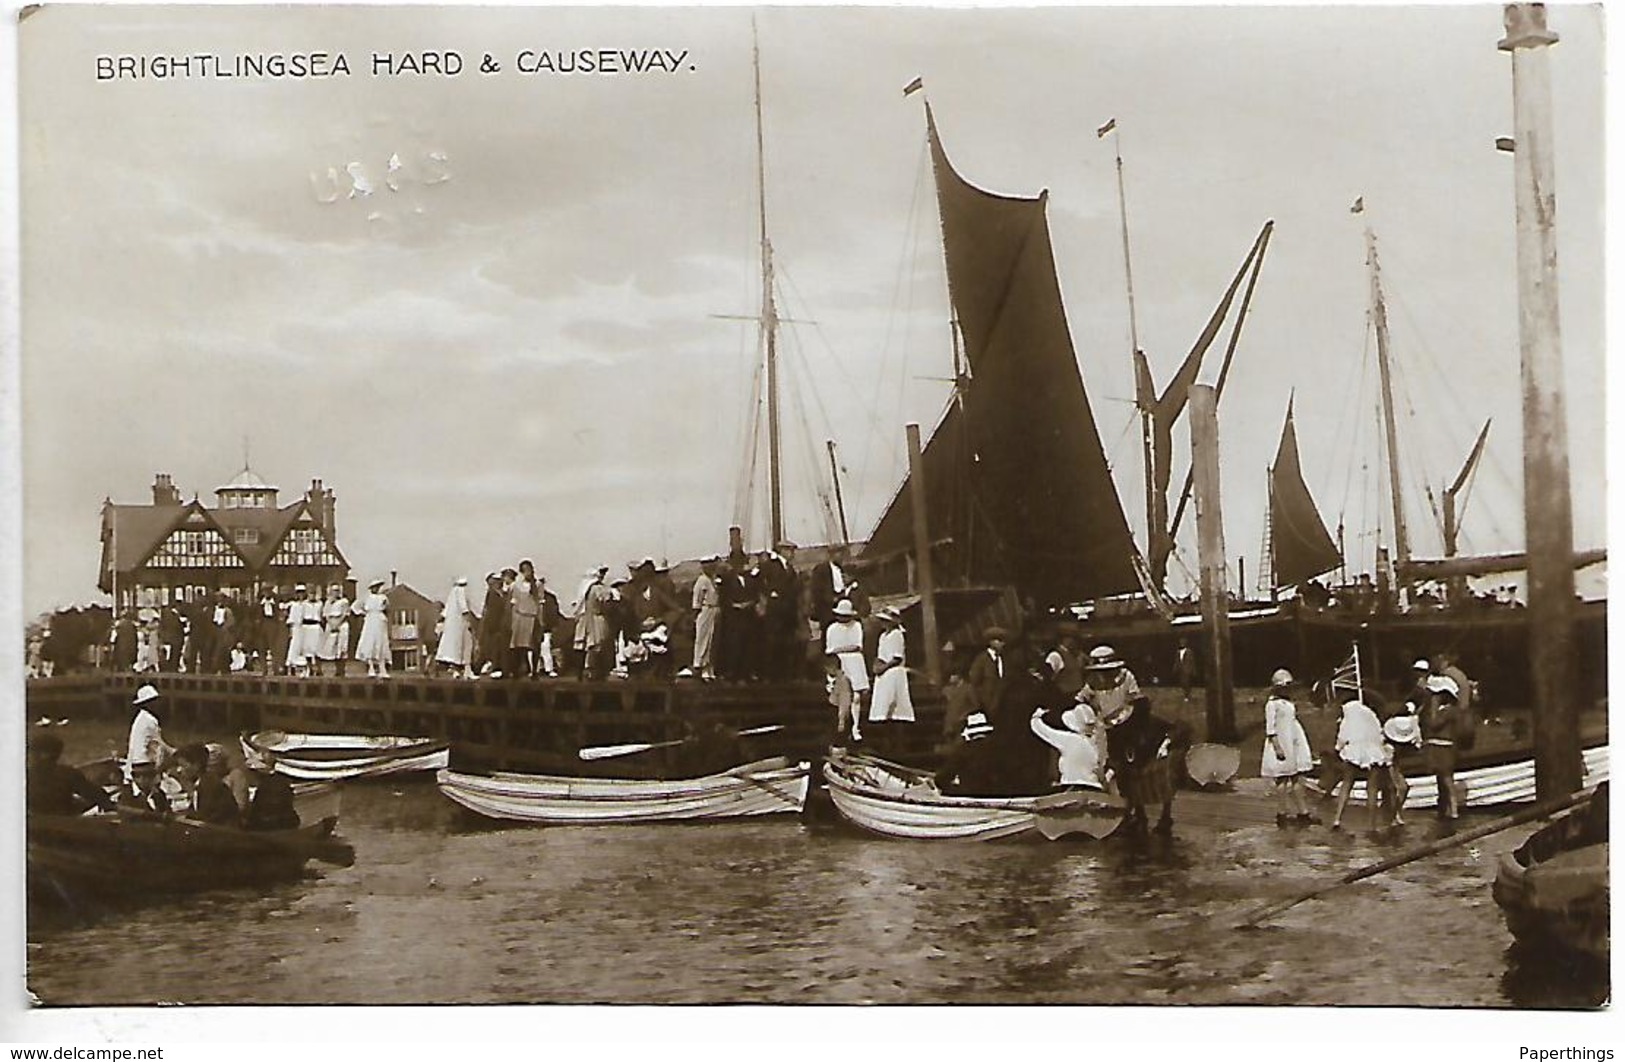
(1286, 752)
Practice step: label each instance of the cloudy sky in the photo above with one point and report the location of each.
(518, 343)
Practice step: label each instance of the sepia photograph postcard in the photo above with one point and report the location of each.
(906, 505)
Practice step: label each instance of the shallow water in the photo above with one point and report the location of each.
(438, 909)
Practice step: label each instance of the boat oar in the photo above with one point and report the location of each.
(604, 752)
(1540, 811)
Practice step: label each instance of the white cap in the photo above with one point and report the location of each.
(844, 607)
(146, 693)
(1422, 665)
(1282, 677)
(1443, 684)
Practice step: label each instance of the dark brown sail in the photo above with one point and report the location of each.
(1300, 544)
(1016, 475)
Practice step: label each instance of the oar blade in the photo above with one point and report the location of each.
(605, 752)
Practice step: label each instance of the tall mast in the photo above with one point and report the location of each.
(770, 317)
(1379, 318)
(1548, 507)
(1144, 401)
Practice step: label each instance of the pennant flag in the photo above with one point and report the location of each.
(913, 86)
(1358, 207)
(1347, 677)
(1111, 123)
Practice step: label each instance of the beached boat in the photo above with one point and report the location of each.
(338, 757)
(1553, 889)
(897, 801)
(767, 787)
(119, 856)
(1490, 786)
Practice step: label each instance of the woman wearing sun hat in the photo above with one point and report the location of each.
(1287, 756)
(373, 648)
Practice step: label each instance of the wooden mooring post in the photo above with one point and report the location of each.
(922, 552)
(1548, 512)
(1221, 705)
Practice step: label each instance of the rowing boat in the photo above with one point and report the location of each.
(119, 856)
(766, 787)
(1491, 786)
(1553, 889)
(338, 757)
(897, 801)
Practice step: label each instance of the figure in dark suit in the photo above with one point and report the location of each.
(987, 671)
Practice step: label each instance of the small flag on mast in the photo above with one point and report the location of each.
(1111, 123)
(913, 86)
(1358, 207)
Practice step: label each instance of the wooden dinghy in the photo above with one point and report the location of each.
(339, 757)
(892, 800)
(1490, 786)
(766, 787)
(1553, 889)
(129, 857)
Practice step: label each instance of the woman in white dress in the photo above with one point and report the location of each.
(373, 648)
(456, 646)
(1287, 756)
(891, 702)
(296, 662)
(844, 640)
(335, 637)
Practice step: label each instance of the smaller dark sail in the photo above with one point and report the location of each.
(1301, 547)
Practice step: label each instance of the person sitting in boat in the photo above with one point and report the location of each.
(211, 801)
(272, 806)
(231, 773)
(970, 767)
(1075, 741)
(54, 788)
(1137, 763)
(143, 794)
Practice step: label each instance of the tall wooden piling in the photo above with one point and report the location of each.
(1548, 512)
(922, 551)
(1221, 707)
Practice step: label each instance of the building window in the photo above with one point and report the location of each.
(246, 536)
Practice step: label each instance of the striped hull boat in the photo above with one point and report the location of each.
(341, 757)
(895, 801)
(768, 788)
(1509, 783)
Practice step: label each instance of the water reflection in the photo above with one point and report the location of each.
(774, 911)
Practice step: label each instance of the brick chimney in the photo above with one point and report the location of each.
(320, 501)
(163, 490)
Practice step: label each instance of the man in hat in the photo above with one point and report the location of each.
(373, 648)
(493, 640)
(707, 606)
(1438, 719)
(1138, 748)
(147, 750)
(1065, 662)
(830, 583)
(986, 676)
(969, 768)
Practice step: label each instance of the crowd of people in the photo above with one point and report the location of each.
(204, 780)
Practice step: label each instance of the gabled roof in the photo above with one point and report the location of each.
(403, 596)
(272, 524)
(136, 531)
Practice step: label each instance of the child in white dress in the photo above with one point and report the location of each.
(1287, 756)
